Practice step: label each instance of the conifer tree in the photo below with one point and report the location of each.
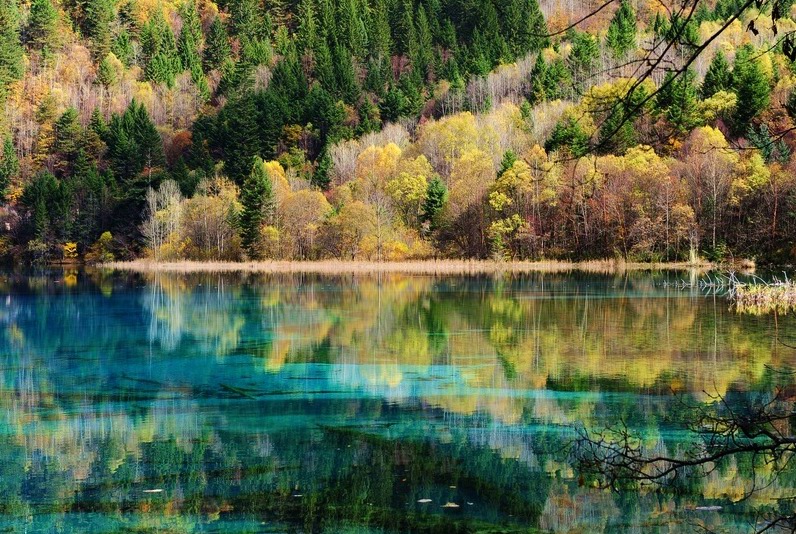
(718, 77)
(584, 55)
(682, 111)
(320, 178)
(11, 53)
(307, 34)
(99, 14)
(751, 86)
(436, 196)
(621, 37)
(42, 32)
(404, 29)
(257, 200)
(217, 49)
(9, 167)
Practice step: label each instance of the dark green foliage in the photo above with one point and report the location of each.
(509, 159)
(134, 143)
(320, 178)
(68, 140)
(549, 82)
(678, 100)
(584, 55)
(160, 51)
(569, 135)
(99, 14)
(257, 199)
(436, 197)
(771, 148)
(621, 37)
(718, 77)
(106, 74)
(9, 167)
(122, 48)
(524, 26)
(42, 31)
(217, 49)
(752, 87)
(11, 53)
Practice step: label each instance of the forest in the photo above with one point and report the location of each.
(645, 130)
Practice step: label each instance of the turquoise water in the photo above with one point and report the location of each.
(253, 403)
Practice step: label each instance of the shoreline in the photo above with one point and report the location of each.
(421, 267)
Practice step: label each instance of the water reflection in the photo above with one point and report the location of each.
(342, 404)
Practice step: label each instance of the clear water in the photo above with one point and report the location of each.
(251, 403)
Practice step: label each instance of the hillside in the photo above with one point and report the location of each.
(397, 129)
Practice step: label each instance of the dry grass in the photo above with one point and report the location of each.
(764, 298)
(428, 267)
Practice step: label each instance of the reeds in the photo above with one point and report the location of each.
(426, 267)
(759, 297)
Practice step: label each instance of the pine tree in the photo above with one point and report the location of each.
(244, 18)
(320, 178)
(436, 196)
(584, 55)
(347, 86)
(682, 111)
(526, 27)
(42, 32)
(68, 135)
(404, 29)
(257, 200)
(99, 14)
(9, 167)
(422, 61)
(621, 37)
(718, 77)
(751, 86)
(218, 49)
(11, 53)
(106, 73)
(307, 34)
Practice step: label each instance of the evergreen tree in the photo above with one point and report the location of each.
(584, 55)
(568, 134)
(421, 61)
(9, 167)
(404, 29)
(621, 37)
(99, 15)
(244, 18)
(436, 196)
(525, 28)
(106, 73)
(751, 86)
(320, 178)
(682, 111)
(122, 47)
(11, 53)
(68, 135)
(718, 77)
(42, 32)
(257, 200)
(217, 49)
(508, 161)
(307, 34)
(380, 40)
(345, 77)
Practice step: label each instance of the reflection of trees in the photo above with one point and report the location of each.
(107, 397)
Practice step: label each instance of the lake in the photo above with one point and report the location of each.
(307, 403)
